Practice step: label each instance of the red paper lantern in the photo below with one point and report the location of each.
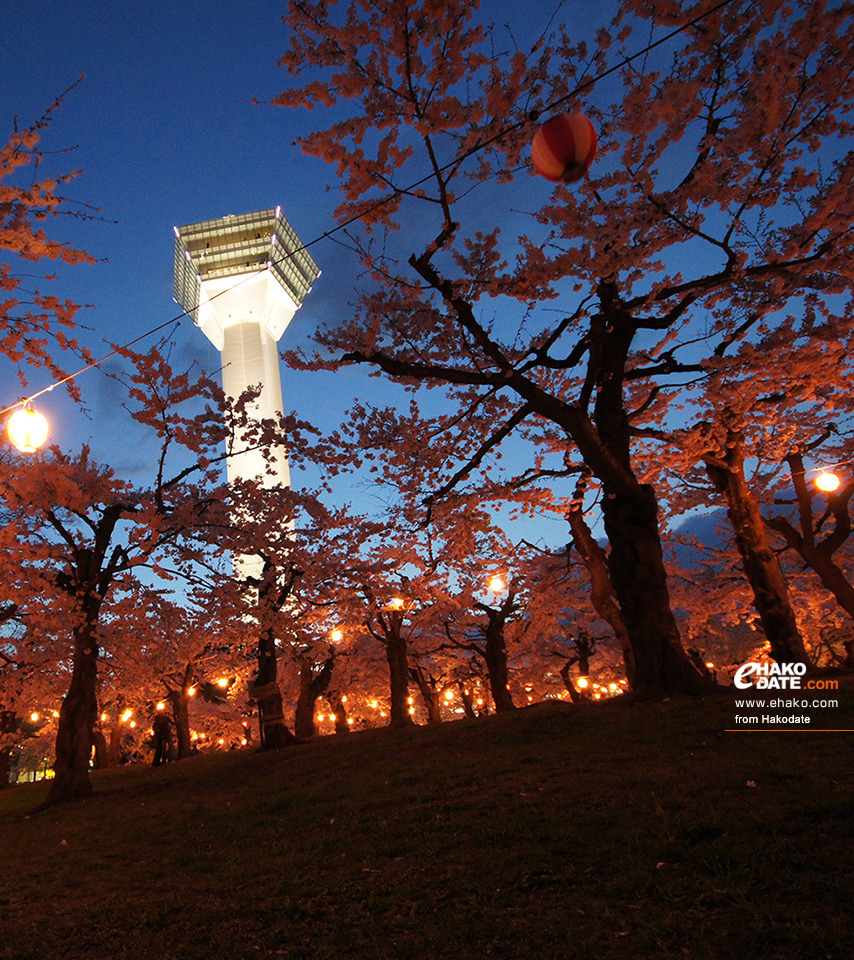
(564, 148)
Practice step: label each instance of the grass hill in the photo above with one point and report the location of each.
(615, 830)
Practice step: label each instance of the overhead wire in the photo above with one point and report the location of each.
(531, 117)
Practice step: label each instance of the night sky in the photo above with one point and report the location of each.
(166, 133)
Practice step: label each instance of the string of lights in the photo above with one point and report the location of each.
(30, 425)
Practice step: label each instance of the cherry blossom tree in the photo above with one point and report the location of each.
(722, 193)
(33, 321)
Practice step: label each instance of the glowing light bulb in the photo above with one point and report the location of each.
(222, 682)
(497, 584)
(161, 706)
(191, 692)
(34, 717)
(449, 694)
(583, 683)
(27, 430)
(827, 481)
(397, 603)
(336, 636)
(127, 715)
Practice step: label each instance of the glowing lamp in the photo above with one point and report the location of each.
(337, 636)
(564, 148)
(222, 682)
(34, 717)
(583, 683)
(828, 482)
(27, 430)
(497, 584)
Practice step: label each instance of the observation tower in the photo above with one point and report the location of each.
(242, 279)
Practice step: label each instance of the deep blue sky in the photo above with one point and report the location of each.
(166, 133)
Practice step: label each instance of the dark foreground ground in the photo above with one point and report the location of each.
(614, 830)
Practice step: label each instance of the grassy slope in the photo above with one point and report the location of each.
(614, 830)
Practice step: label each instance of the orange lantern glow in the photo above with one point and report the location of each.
(828, 482)
(27, 430)
(564, 148)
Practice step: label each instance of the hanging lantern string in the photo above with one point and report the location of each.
(532, 117)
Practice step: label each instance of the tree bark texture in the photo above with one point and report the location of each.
(495, 653)
(274, 732)
(77, 717)
(818, 555)
(398, 670)
(429, 693)
(311, 686)
(180, 702)
(760, 564)
(601, 589)
(637, 571)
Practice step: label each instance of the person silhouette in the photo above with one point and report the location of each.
(162, 739)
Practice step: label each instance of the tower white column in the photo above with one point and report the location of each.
(242, 279)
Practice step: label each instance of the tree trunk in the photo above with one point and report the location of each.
(429, 694)
(180, 702)
(102, 751)
(819, 556)
(274, 732)
(637, 571)
(761, 567)
(398, 670)
(311, 686)
(5, 766)
(468, 703)
(601, 589)
(77, 717)
(495, 653)
(304, 725)
(336, 702)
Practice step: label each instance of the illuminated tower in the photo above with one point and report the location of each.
(242, 278)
